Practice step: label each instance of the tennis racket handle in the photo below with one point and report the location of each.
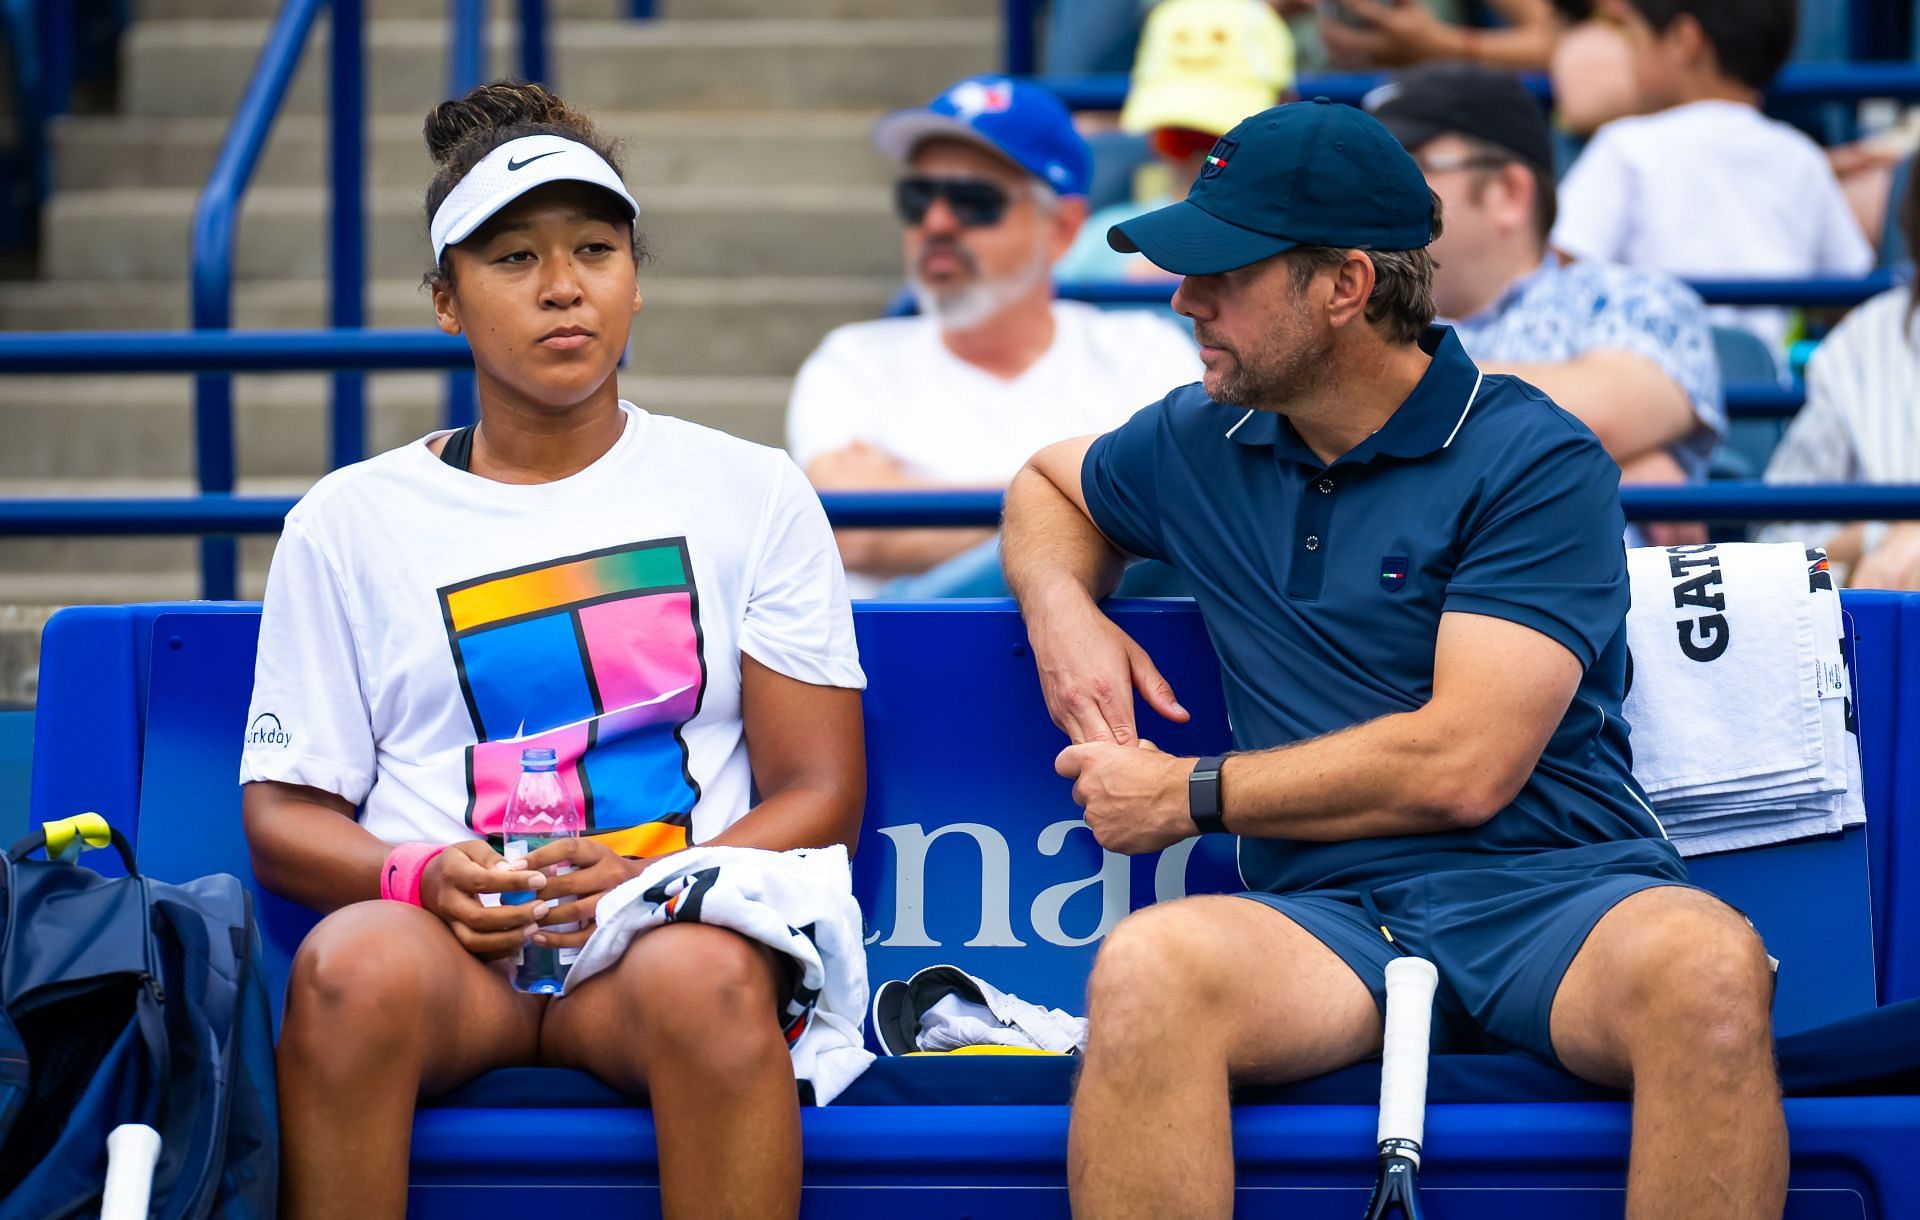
(132, 1151)
(1403, 1056)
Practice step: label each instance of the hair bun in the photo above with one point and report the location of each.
(493, 106)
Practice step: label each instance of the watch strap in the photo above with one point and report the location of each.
(1203, 795)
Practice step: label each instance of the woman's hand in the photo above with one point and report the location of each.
(451, 888)
(573, 897)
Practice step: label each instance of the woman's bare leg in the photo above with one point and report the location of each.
(383, 1006)
(689, 1018)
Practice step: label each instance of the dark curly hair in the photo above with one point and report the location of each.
(460, 133)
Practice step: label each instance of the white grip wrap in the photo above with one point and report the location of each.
(132, 1151)
(1403, 1056)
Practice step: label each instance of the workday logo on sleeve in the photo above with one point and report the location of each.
(266, 730)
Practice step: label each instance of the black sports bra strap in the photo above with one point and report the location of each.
(458, 451)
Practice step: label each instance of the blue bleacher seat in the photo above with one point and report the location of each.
(1744, 356)
(972, 852)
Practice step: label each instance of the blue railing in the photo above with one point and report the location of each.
(1820, 82)
(215, 219)
(230, 351)
(1808, 293)
(229, 515)
(1847, 82)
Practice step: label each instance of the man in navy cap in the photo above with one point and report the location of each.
(1413, 575)
(992, 192)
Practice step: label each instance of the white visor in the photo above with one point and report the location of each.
(509, 172)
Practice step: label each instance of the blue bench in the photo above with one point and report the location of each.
(972, 853)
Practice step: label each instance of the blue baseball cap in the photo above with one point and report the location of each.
(1018, 119)
(1301, 174)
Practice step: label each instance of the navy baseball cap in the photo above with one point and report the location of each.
(1017, 119)
(1301, 174)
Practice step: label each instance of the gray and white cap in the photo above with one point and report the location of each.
(509, 172)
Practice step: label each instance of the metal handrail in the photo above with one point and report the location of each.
(282, 351)
(215, 219)
(228, 515)
(1817, 292)
(231, 351)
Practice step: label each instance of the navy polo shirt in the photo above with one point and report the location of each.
(1323, 586)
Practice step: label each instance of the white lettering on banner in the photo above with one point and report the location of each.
(1170, 871)
(1112, 878)
(910, 844)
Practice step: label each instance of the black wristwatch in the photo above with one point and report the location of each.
(1203, 795)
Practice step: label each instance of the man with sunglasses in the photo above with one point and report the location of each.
(992, 192)
(1412, 573)
(1627, 349)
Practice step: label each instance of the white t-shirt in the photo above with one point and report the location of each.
(1861, 423)
(893, 384)
(423, 624)
(1711, 190)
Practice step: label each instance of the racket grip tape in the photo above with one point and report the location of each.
(1403, 1057)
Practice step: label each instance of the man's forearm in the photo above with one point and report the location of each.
(1398, 775)
(904, 552)
(1630, 402)
(1047, 543)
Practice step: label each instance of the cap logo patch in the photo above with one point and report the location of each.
(1217, 160)
(974, 97)
(1393, 572)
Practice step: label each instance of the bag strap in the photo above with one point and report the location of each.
(65, 838)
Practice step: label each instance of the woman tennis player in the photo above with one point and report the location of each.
(658, 603)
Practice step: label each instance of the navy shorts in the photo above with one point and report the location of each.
(1501, 937)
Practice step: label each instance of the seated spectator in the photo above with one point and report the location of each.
(1626, 349)
(993, 368)
(1704, 185)
(1204, 65)
(1861, 424)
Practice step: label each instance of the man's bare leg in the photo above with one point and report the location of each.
(1672, 995)
(1184, 996)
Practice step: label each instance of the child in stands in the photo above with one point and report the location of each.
(660, 603)
(1703, 185)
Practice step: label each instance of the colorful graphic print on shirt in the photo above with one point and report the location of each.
(598, 656)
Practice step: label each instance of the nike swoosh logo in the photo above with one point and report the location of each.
(513, 165)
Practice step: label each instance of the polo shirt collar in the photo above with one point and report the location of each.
(1425, 423)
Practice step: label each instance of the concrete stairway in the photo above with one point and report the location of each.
(745, 127)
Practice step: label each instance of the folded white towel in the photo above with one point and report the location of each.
(1743, 730)
(799, 903)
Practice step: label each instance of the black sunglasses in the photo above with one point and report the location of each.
(976, 203)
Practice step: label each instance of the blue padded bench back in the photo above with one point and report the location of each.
(972, 851)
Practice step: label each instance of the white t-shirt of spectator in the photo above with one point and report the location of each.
(893, 384)
(1711, 190)
(1861, 423)
(423, 625)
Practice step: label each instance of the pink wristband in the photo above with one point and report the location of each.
(406, 864)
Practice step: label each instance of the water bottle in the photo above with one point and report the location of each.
(538, 813)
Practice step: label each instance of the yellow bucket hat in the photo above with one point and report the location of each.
(1206, 64)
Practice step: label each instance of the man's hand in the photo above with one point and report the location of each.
(1894, 564)
(1388, 34)
(858, 467)
(1135, 797)
(451, 888)
(573, 897)
(1089, 669)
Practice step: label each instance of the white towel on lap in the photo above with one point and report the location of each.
(799, 903)
(1740, 701)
